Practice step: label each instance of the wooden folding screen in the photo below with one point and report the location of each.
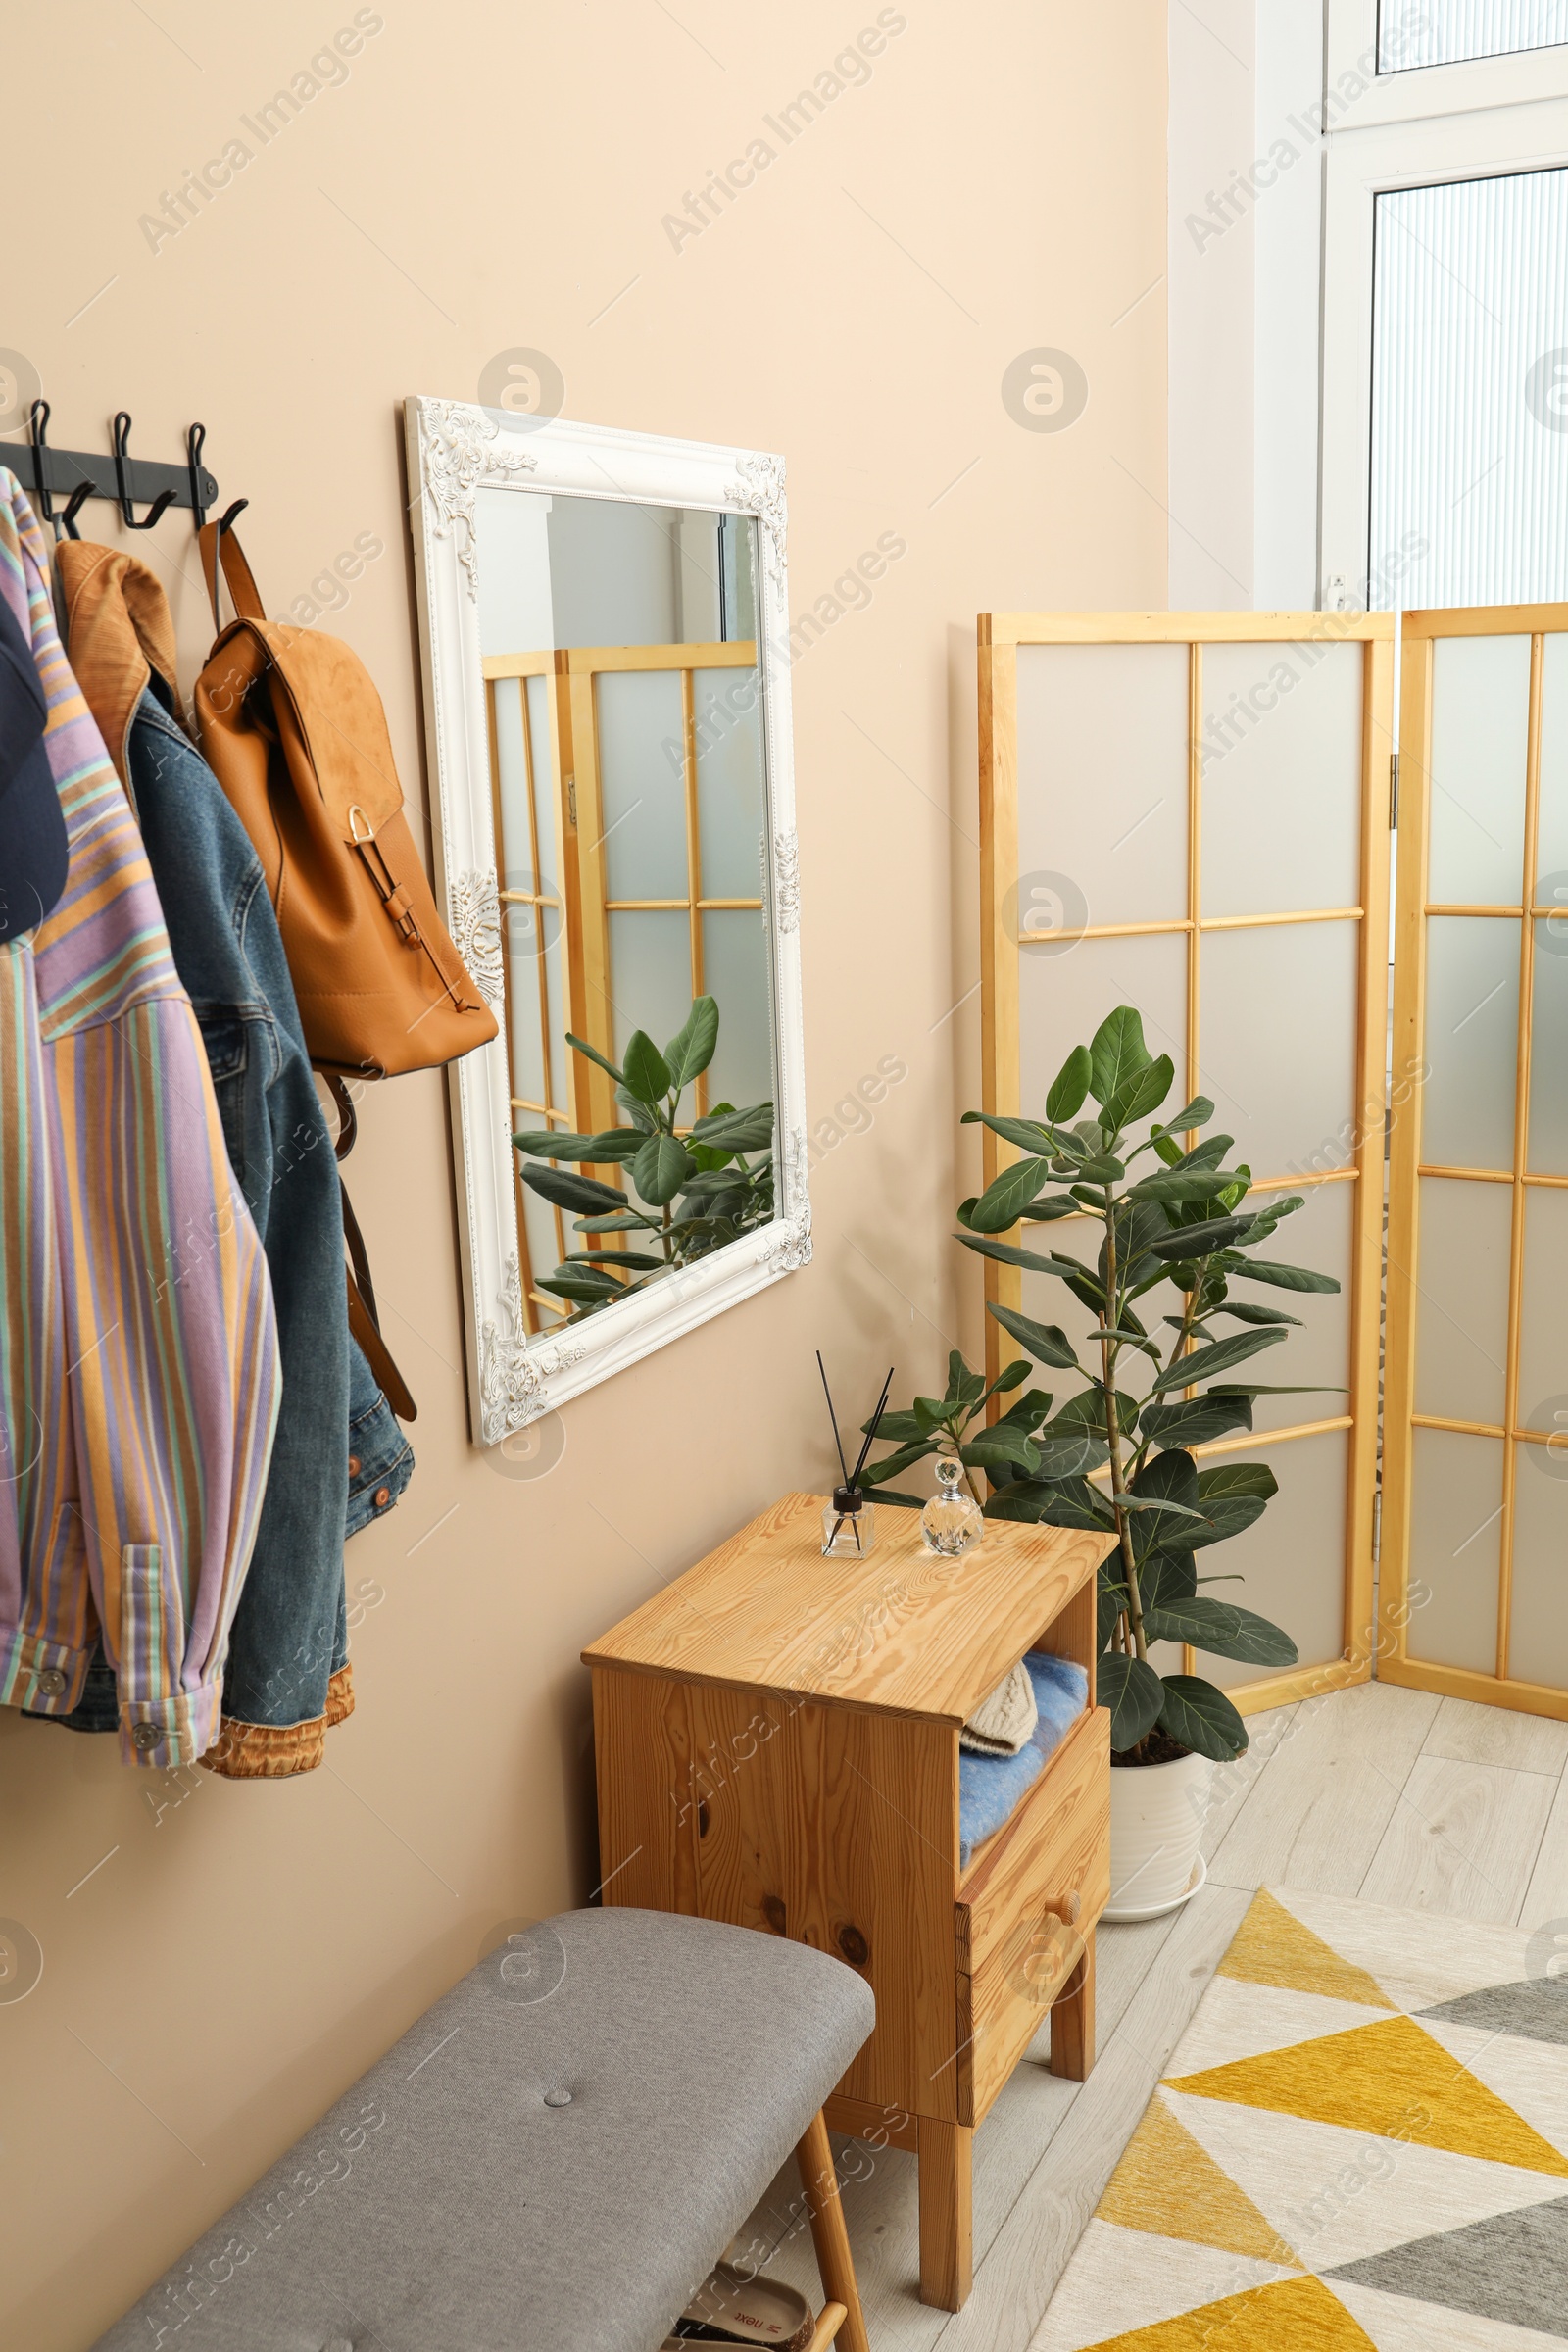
(1475, 1518)
(1190, 812)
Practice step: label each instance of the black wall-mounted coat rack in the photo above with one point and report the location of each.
(78, 475)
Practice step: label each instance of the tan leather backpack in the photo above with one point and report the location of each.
(293, 729)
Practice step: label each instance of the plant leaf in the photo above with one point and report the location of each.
(1182, 1184)
(1047, 1342)
(1003, 1201)
(636, 1261)
(1245, 1312)
(1069, 1452)
(1053, 1206)
(1000, 1444)
(1133, 1691)
(1195, 1113)
(1065, 1095)
(1165, 1576)
(1116, 1053)
(1028, 1134)
(1220, 1627)
(648, 1074)
(617, 1143)
(1202, 1719)
(1224, 1516)
(1284, 1278)
(750, 1130)
(583, 1193)
(892, 1463)
(1102, 1168)
(1237, 1478)
(1030, 1259)
(691, 1050)
(1056, 1502)
(594, 1054)
(1195, 1420)
(1140, 1094)
(1188, 1371)
(629, 1220)
(663, 1167)
(641, 1117)
(1199, 1241)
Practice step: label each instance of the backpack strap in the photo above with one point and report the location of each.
(220, 546)
(366, 1324)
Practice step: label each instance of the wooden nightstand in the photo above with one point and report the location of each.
(777, 1745)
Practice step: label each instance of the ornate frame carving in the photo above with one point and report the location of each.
(455, 450)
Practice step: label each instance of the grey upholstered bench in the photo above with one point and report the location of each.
(550, 2160)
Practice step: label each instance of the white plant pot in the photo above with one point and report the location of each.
(1156, 1821)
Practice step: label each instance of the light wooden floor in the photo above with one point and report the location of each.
(1425, 1804)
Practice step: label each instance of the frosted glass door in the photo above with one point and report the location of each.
(1187, 813)
(1475, 1571)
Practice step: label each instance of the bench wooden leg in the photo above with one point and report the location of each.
(1072, 2024)
(820, 2182)
(947, 2200)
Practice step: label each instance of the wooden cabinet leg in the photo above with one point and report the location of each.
(820, 2183)
(1072, 2024)
(946, 2218)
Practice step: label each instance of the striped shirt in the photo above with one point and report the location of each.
(138, 1357)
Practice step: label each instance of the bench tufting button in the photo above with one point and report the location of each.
(558, 2098)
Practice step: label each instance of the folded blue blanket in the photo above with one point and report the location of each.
(990, 1787)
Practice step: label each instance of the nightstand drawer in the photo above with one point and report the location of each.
(1015, 1947)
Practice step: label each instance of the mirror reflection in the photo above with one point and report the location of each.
(624, 705)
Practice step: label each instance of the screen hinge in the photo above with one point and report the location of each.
(571, 802)
(1394, 792)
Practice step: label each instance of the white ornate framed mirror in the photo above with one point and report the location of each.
(604, 637)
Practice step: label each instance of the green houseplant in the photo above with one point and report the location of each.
(690, 1189)
(1109, 1459)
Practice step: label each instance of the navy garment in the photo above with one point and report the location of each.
(32, 824)
(340, 1457)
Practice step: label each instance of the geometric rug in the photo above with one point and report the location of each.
(1362, 2141)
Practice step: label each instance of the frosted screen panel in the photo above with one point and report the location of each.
(1471, 1041)
(1320, 1234)
(1282, 777)
(544, 783)
(728, 712)
(649, 976)
(1066, 993)
(1538, 1613)
(1448, 32)
(1278, 1039)
(1551, 888)
(1290, 1560)
(735, 975)
(1455, 1517)
(1470, 393)
(1480, 735)
(1543, 1323)
(642, 783)
(1101, 785)
(1549, 1053)
(1461, 1315)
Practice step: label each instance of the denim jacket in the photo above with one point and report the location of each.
(339, 1457)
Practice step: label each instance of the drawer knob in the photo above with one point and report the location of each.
(853, 1944)
(1068, 1908)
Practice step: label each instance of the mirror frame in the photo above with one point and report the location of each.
(454, 450)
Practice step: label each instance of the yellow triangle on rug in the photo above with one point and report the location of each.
(1168, 2185)
(1390, 2079)
(1273, 1947)
(1292, 2315)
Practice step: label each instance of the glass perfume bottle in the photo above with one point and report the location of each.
(951, 1520)
(849, 1525)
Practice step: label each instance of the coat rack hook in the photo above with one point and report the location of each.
(164, 499)
(38, 434)
(225, 523)
(74, 506)
(195, 440)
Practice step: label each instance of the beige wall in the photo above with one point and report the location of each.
(492, 176)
